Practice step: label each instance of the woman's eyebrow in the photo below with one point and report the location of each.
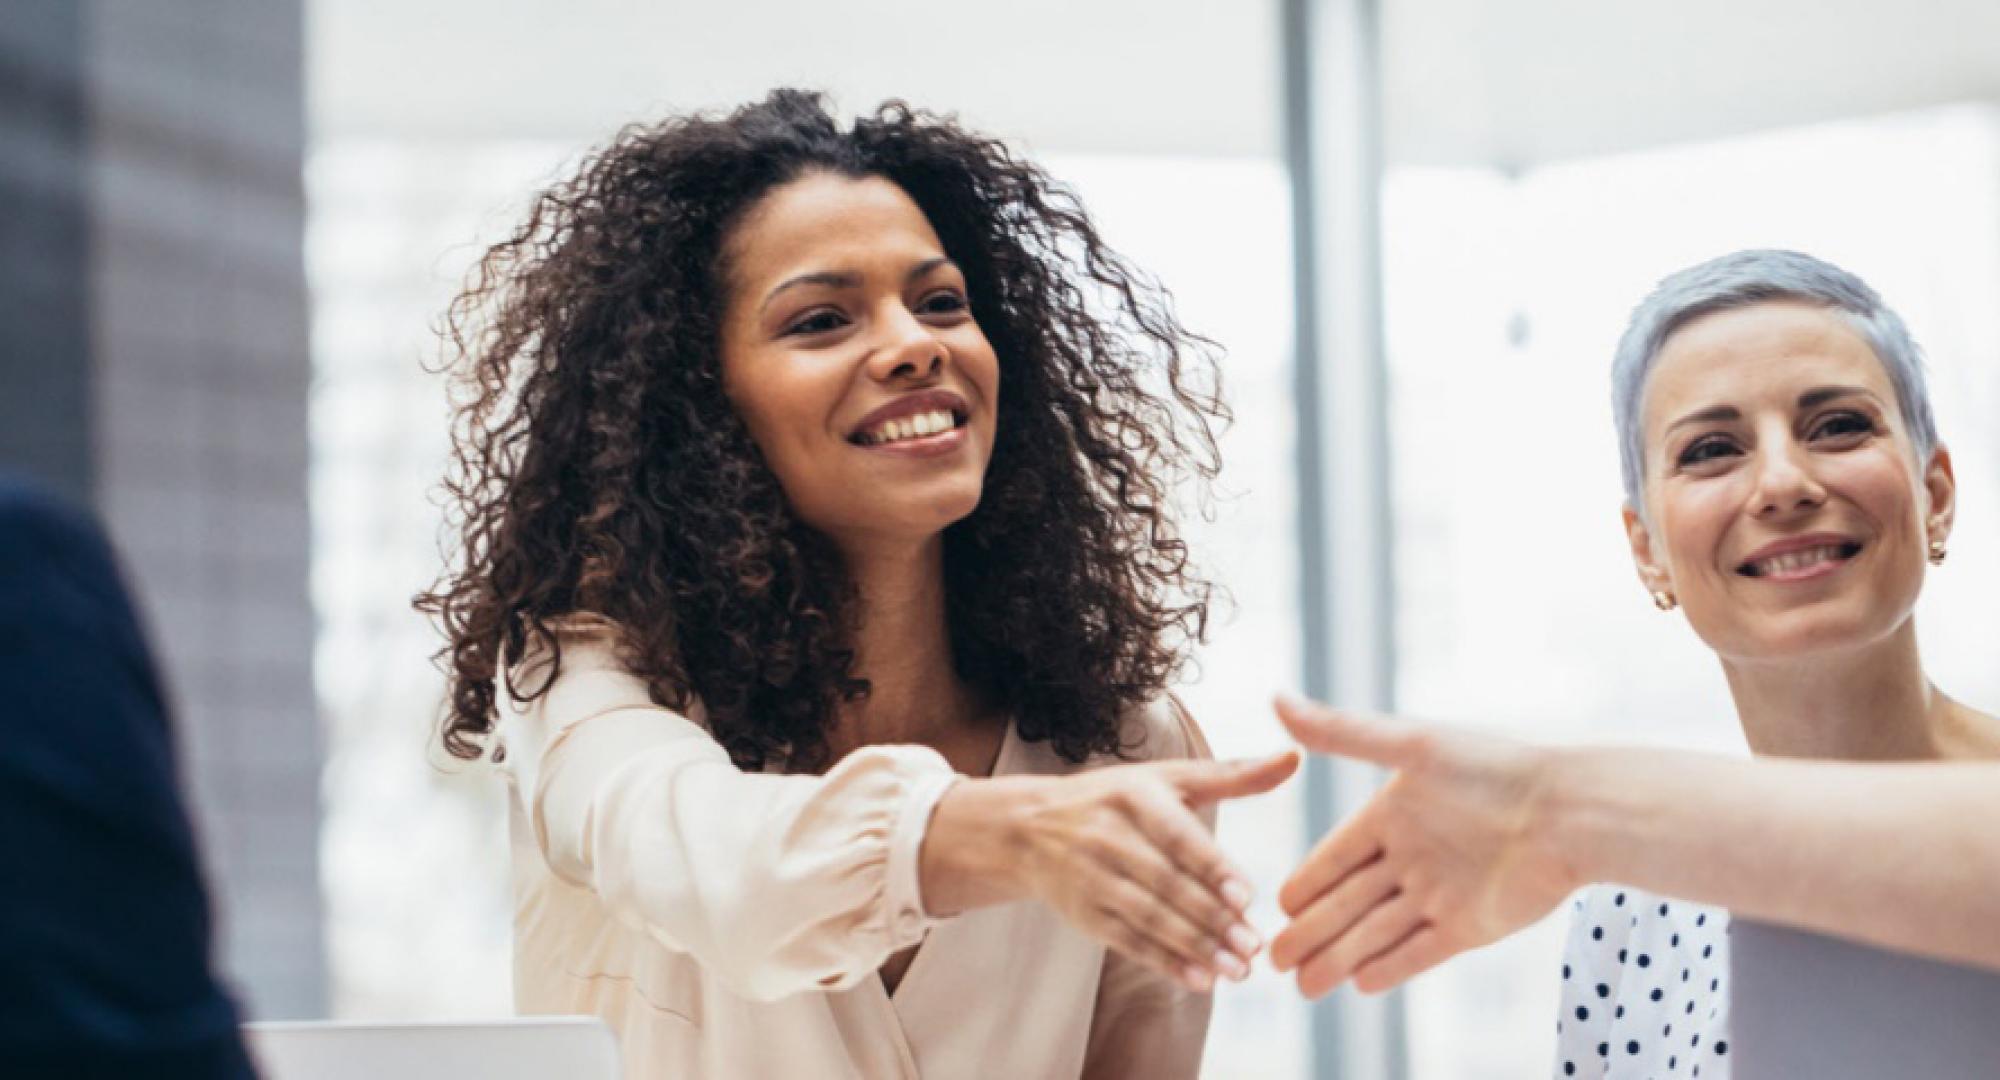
(835, 279)
(1706, 416)
(1820, 395)
(846, 279)
(927, 266)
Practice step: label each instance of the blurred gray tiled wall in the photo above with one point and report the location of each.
(44, 353)
(156, 362)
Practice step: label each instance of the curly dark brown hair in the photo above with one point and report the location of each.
(598, 467)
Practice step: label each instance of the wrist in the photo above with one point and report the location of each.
(969, 856)
(1558, 816)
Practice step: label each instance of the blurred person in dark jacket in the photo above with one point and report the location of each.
(104, 921)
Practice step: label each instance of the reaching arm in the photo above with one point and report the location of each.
(1474, 837)
(786, 884)
(1904, 856)
(778, 884)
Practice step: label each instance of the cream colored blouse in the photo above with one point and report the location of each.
(730, 924)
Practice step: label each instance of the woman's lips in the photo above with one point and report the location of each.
(904, 410)
(922, 446)
(1801, 563)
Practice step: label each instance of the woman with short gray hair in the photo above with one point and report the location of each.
(1784, 486)
(1786, 489)
(1743, 279)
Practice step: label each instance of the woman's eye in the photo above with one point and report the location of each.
(1705, 450)
(1842, 425)
(943, 302)
(816, 322)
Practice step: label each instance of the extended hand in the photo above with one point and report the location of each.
(1444, 858)
(1121, 854)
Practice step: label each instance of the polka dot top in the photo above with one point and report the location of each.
(1645, 988)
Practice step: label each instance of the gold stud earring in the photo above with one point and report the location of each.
(1664, 600)
(1937, 553)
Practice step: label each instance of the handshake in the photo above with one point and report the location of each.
(1443, 858)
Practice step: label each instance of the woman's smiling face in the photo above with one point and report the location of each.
(850, 350)
(1784, 503)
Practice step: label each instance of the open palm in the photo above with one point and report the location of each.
(1443, 858)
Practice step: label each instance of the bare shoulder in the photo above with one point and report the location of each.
(1163, 729)
(1975, 735)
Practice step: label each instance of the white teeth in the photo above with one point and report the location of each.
(1794, 561)
(909, 427)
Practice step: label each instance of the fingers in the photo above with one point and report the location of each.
(1418, 953)
(1350, 846)
(1366, 736)
(1124, 857)
(1213, 781)
(1326, 918)
(1181, 837)
(1382, 928)
(1185, 869)
(1122, 934)
(1167, 940)
(1183, 894)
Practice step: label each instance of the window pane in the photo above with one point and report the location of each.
(1227, 267)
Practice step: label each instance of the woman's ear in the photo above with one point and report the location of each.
(1942, 487)
(1651, 574)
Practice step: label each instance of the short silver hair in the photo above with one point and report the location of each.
(1739, 280)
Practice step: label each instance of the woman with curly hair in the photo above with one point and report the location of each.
(818, 595)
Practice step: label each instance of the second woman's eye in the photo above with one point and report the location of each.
(1842, 426)
(942, 302)
(818, 321)
(1706, 449)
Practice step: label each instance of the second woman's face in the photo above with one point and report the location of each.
(850, 350)
(1786, 507)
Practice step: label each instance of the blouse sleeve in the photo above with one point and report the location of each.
(1147, 1025)
(776, 884)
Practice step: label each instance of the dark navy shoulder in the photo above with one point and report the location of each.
(32, 513)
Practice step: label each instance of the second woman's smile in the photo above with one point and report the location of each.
(1800, 558)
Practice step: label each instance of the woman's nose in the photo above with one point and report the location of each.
(1785, 482)
(908, 349)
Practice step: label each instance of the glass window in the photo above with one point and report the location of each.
(1217, 232)
(413, 848)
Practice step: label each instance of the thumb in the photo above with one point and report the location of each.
(1213, 781)
(1364, 736)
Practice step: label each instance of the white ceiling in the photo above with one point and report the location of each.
(1516, 82)
(1193, 76)
(1506, 82)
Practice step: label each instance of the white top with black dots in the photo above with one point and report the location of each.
(1645, 991)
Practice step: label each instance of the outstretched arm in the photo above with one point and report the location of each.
(1475, 836)
(782, 884)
